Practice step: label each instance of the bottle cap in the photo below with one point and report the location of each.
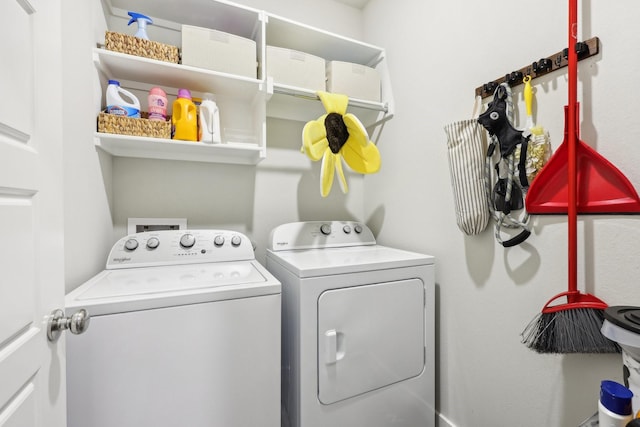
(616, 397)
(114, 82)
(209, 96)
(157, 91)
(184, 93)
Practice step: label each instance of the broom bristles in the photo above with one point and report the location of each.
(575, 330)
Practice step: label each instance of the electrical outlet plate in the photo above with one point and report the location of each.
(137, 225)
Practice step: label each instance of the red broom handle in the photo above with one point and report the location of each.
(572, 216)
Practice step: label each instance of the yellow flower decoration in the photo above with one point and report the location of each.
(335, 136)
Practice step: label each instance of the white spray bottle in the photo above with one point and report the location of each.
(142, 21)
(209, 120)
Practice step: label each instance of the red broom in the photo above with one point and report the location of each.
(572, 327)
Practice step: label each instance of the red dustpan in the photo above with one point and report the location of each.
(600, 187)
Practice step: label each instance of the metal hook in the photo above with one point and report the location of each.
(560, 57)
(542, 66)
(582, 49)
(489, 87)
(514, 78)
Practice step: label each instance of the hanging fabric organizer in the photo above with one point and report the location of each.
(541, 67)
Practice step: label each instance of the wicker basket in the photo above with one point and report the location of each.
(140, 47)
(121, 125)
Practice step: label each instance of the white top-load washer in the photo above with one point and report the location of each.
(184, 331)
(358, 328)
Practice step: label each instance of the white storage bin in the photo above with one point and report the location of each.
(218, 51)
(293, 68)
(354, 80)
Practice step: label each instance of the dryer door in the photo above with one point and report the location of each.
(368, 337)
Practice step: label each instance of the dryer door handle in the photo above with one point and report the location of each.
(334, 346)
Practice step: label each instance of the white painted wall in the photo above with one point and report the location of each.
(88, 207)
(486, 294)
(102, 192)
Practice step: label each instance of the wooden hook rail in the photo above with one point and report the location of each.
(541, 67)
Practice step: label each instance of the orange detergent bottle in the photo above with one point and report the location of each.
(184, 119)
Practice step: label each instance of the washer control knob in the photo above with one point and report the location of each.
(153, 242)
(325, 229)
(131, 244)
(219, 240)
(346, 229)
(358, 228)
(236, 240)
(187, 241)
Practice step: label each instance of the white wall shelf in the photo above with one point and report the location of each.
(160, 73)
(288, 102)
(245, 103)
(171, 149)
(291, 103)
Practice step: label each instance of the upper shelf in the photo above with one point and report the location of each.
(219, 14)
(283, 32)
(139, 69)
(299, 104)
(287, 102)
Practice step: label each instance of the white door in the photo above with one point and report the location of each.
(32, 386)
(369, 337)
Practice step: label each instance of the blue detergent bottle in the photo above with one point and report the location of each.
(118, 105)
(142, 21)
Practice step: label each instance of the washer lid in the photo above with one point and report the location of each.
(113, 291)
(353, 259)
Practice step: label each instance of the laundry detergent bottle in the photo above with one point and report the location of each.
(184, 118)
(209, 120)
(157, 101)
(120, 106)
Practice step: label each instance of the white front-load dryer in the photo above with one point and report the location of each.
(358, 328)
(184, 331)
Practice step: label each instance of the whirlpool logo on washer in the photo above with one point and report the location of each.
(281, 244)
(121, 259)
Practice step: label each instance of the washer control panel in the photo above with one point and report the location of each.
(320, 234)
(171, 247)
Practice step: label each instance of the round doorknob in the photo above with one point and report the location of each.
(77, 323)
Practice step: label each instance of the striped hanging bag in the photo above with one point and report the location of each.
(466, 151)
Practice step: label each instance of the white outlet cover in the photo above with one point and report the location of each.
(136, 225)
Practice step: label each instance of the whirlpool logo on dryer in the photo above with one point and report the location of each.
(121, 259)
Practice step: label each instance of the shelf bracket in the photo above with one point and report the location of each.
(541, 67)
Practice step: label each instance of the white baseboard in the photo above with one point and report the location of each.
(444, 421)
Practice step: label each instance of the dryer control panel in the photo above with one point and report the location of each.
(320, 234)
(172, 247)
